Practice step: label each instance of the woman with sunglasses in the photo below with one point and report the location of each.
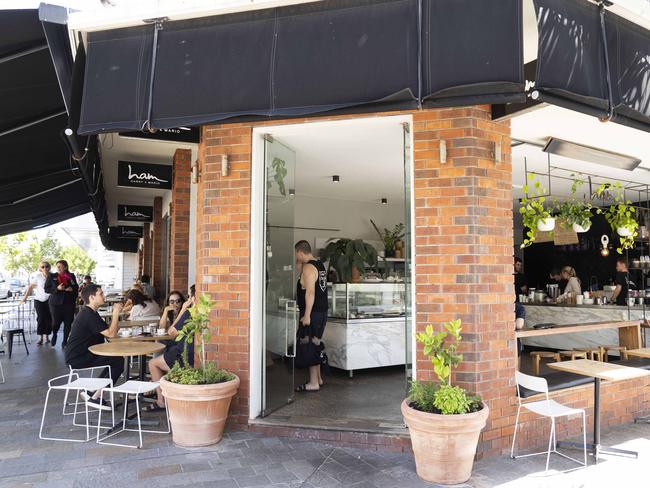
(175, 301)
(43, 317)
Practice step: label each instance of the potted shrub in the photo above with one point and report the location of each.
(533, 212)
(390, 238)
(349, 258)
(198, 399)
(575, 214)
(621, 216)
(444, 421)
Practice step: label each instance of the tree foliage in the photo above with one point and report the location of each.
(24, 251)
(78, 260)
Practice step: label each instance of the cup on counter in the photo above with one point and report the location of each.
(523, 298)
(640, 300)
(630, 302)
(579, 299)
(586, 295)
(160, 332)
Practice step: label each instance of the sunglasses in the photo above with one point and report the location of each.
(45, 267)
(172, 301)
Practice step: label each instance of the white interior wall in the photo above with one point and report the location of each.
(129, 270)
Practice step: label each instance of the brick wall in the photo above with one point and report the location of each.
(180, 221)
(157, 271)
(464, 244)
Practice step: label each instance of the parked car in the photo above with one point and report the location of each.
(16, 285)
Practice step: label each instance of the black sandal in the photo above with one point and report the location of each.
(154, 407)
(304, 388)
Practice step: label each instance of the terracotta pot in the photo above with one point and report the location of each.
(356, 276)
(198, 413)
(444, 445)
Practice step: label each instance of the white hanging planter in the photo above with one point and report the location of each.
(546, 225)
(624, 231)
(580, 229)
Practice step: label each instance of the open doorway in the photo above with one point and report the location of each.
(325, 181)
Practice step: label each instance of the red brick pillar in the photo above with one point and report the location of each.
(223, 248)
(146, 250)
(464, 246)
(180, 221)
(157, 272)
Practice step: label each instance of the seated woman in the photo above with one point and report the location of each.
(140, 306)
(160, 365)
(169, 314)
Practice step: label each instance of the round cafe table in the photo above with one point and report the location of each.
(146, 338)
(127, 349)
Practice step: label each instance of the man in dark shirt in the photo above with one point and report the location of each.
(89, 329)
(521, 286)
(622, 283)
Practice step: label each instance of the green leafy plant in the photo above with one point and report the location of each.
(344, 254)
(575, 211)
(197, 327)
(532, 209)
(620, 215)
(444, 398)
(279, 173)
(390, 237)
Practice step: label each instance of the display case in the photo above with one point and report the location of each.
(366, 300)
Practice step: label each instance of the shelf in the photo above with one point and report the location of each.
(391, 260)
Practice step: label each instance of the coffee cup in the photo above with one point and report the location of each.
(640, 300)
(586, 295)
(125, 332)
(630, 302)
(160, 332)
(579, 299)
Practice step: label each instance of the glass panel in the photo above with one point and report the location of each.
(280, 314)
(408, 235)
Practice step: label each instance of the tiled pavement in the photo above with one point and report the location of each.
(244, 459)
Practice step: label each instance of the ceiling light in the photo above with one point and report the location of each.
(336, 179)
(292, 192)
(590, 154)
(384, 201)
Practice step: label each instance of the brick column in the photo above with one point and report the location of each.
(180, 221)
(223, 247)
(157, 248)
(146, 250)
(464, 243)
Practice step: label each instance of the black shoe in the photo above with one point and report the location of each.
(53, 341)
(63, 344)
(97, 403)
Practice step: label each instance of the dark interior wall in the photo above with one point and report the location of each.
(585, 257)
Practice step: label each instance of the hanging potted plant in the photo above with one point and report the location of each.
(536, 217)
(574, 213)
(621, 216)
(349, 258)
(444, 421)
(198, 399)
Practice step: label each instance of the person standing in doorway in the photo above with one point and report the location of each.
(63, 289)
(312, 304)
(41, 306)
(147, 288)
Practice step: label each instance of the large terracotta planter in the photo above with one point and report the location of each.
(444, 445)
(198, 413)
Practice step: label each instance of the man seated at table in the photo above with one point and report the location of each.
(89, 329)
(160, 365)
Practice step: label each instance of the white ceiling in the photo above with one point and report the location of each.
(115, 148)
(546, 121)
(367, 154)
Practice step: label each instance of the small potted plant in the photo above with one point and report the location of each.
(535, 215)
(575, 214)
(621, 216)
(390, 238)
(349, 258)
(444, 421)
(198, 399)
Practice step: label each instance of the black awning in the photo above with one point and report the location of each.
(38, 184)
(628, 47)
(472, 52)
(287, 61)
(571, 59)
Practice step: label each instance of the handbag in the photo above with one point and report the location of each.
(307, 353)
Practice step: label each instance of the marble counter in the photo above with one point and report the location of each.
(577, 314)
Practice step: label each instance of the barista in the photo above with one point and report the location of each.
(622, 282)
(555, 278)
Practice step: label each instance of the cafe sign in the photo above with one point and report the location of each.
(135, 213)
(127, 231)
(144, 175)
(178, 134)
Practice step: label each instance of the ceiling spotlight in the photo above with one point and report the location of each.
(384, 201)
(292, 192)
(336, 179)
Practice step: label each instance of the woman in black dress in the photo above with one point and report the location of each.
(63, 289)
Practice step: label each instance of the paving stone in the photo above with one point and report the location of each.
(195, 466)
(241, 472)
(248, 481)
(159, 471)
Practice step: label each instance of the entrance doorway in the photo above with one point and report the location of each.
(368, 337)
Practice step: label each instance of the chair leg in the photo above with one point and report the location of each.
(137, 409)
(550, 439)
(584, 435)
(25, 343)
(47, 397)
(624, 354)
(514, 436)
(535, 364)
(10, 343)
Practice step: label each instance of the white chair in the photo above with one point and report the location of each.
(73, 382)
(2, 373)
(82, 373)
(546, 408)
(135, 388)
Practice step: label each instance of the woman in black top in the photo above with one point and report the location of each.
(311, 296)
(63, 289)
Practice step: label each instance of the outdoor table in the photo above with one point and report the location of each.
(599, 371)
(143, 337)
(138, 323)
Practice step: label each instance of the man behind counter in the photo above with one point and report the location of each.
(521, 286)
(622, 283)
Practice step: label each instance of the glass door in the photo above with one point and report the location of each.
(408, 265)
(280, 312)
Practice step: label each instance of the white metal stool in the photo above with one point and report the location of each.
(136, 388)
(74, 383)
